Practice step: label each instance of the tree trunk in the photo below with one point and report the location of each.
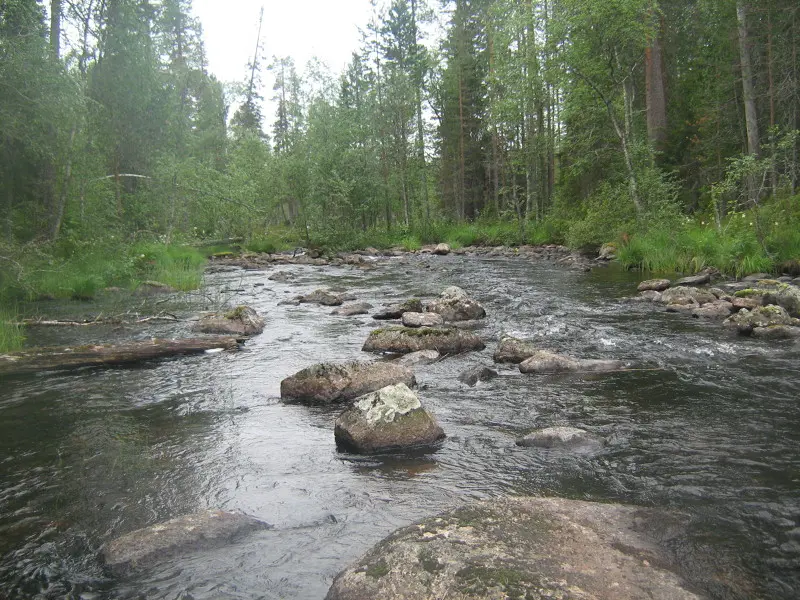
(751, 116)
(48, 359)
(462, 158)
(55, 28)
(58, 213)
(655, 87)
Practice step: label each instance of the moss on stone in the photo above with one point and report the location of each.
(428, 561)
(378, 569)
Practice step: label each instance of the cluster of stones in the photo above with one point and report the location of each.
(756, 306)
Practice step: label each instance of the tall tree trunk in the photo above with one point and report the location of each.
(772, 133)
(420, 123)
(8, 156)
(751, 116)
(462, 158)
(55, 28)
(58, 213)
(655, 86)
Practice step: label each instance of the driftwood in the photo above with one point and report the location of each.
(100, 320)
(47, 359)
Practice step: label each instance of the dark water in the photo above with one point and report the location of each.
(712, 430)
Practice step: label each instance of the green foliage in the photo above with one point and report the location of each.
(609, 212)
(11, 334)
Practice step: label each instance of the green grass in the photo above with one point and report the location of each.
(180, 267)
(11, 332)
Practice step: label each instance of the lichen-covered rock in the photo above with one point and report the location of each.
(654, 285)
(527, 548)
(748, 303)
(203, 530)
(513, 350)
(442, 249)
(544, 361)
(650, 296)
(471, 377)
(396, 311)
(564, 438)
(776, 332)
(416, 319)
(329, 383)
(454, 305)
(746, 321)
(242, 320)
(403, 340)
(351, 310)
(769, 291)
(391, 418)
(686, 295)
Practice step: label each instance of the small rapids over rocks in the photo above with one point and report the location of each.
(704, 423)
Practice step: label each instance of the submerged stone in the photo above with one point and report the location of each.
(565, 438)
(203, 530)
(471, 377)
(544, 361)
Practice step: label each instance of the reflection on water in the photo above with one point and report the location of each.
(709, 426)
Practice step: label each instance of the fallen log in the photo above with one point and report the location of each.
(48, 359)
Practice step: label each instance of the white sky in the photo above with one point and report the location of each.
(302, 29)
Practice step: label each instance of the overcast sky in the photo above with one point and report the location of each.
(327, 29)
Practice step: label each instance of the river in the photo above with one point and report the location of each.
(710, 426)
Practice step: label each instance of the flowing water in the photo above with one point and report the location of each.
(709, 427)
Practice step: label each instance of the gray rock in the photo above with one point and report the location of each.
(454, 305)
(513, 350)
(748, 302)
(329, 383)
(242, 320)
(565, 438)
(471, 377)
(713, 310)
(544, 361)
(321, 297)
(699, 279)
(745, 321)
(416, 319)
(199, 531)
(607, 252)
(756, 277)
(423, 357)
(282, 277)
(395, 311)
(442, 249)
(402, 340)
(351, 310)
(391, 418)
(655, 285)
(681, 308)
(686, 295)
(531, 548)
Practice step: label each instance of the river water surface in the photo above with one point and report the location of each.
(709, 427)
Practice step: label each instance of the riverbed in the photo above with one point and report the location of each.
(707, 424)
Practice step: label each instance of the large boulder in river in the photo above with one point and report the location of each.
(242, 320)
(747, 321)
(531, 548)
(513, 350)
(562, 438)
(686, 295)
(455, 305)
(199, 531)
(403, 340)
(391, 418)
(322, 297)
(329, 383)
(351, 310)
(442, 249)
(544, 361)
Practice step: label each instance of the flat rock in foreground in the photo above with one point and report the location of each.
(402, 340)
(330, 383)
(528, 548)
(391, 418)
(203, 530)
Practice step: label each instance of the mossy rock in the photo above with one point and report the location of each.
(404, 340)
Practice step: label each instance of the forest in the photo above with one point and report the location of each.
(668, 129)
